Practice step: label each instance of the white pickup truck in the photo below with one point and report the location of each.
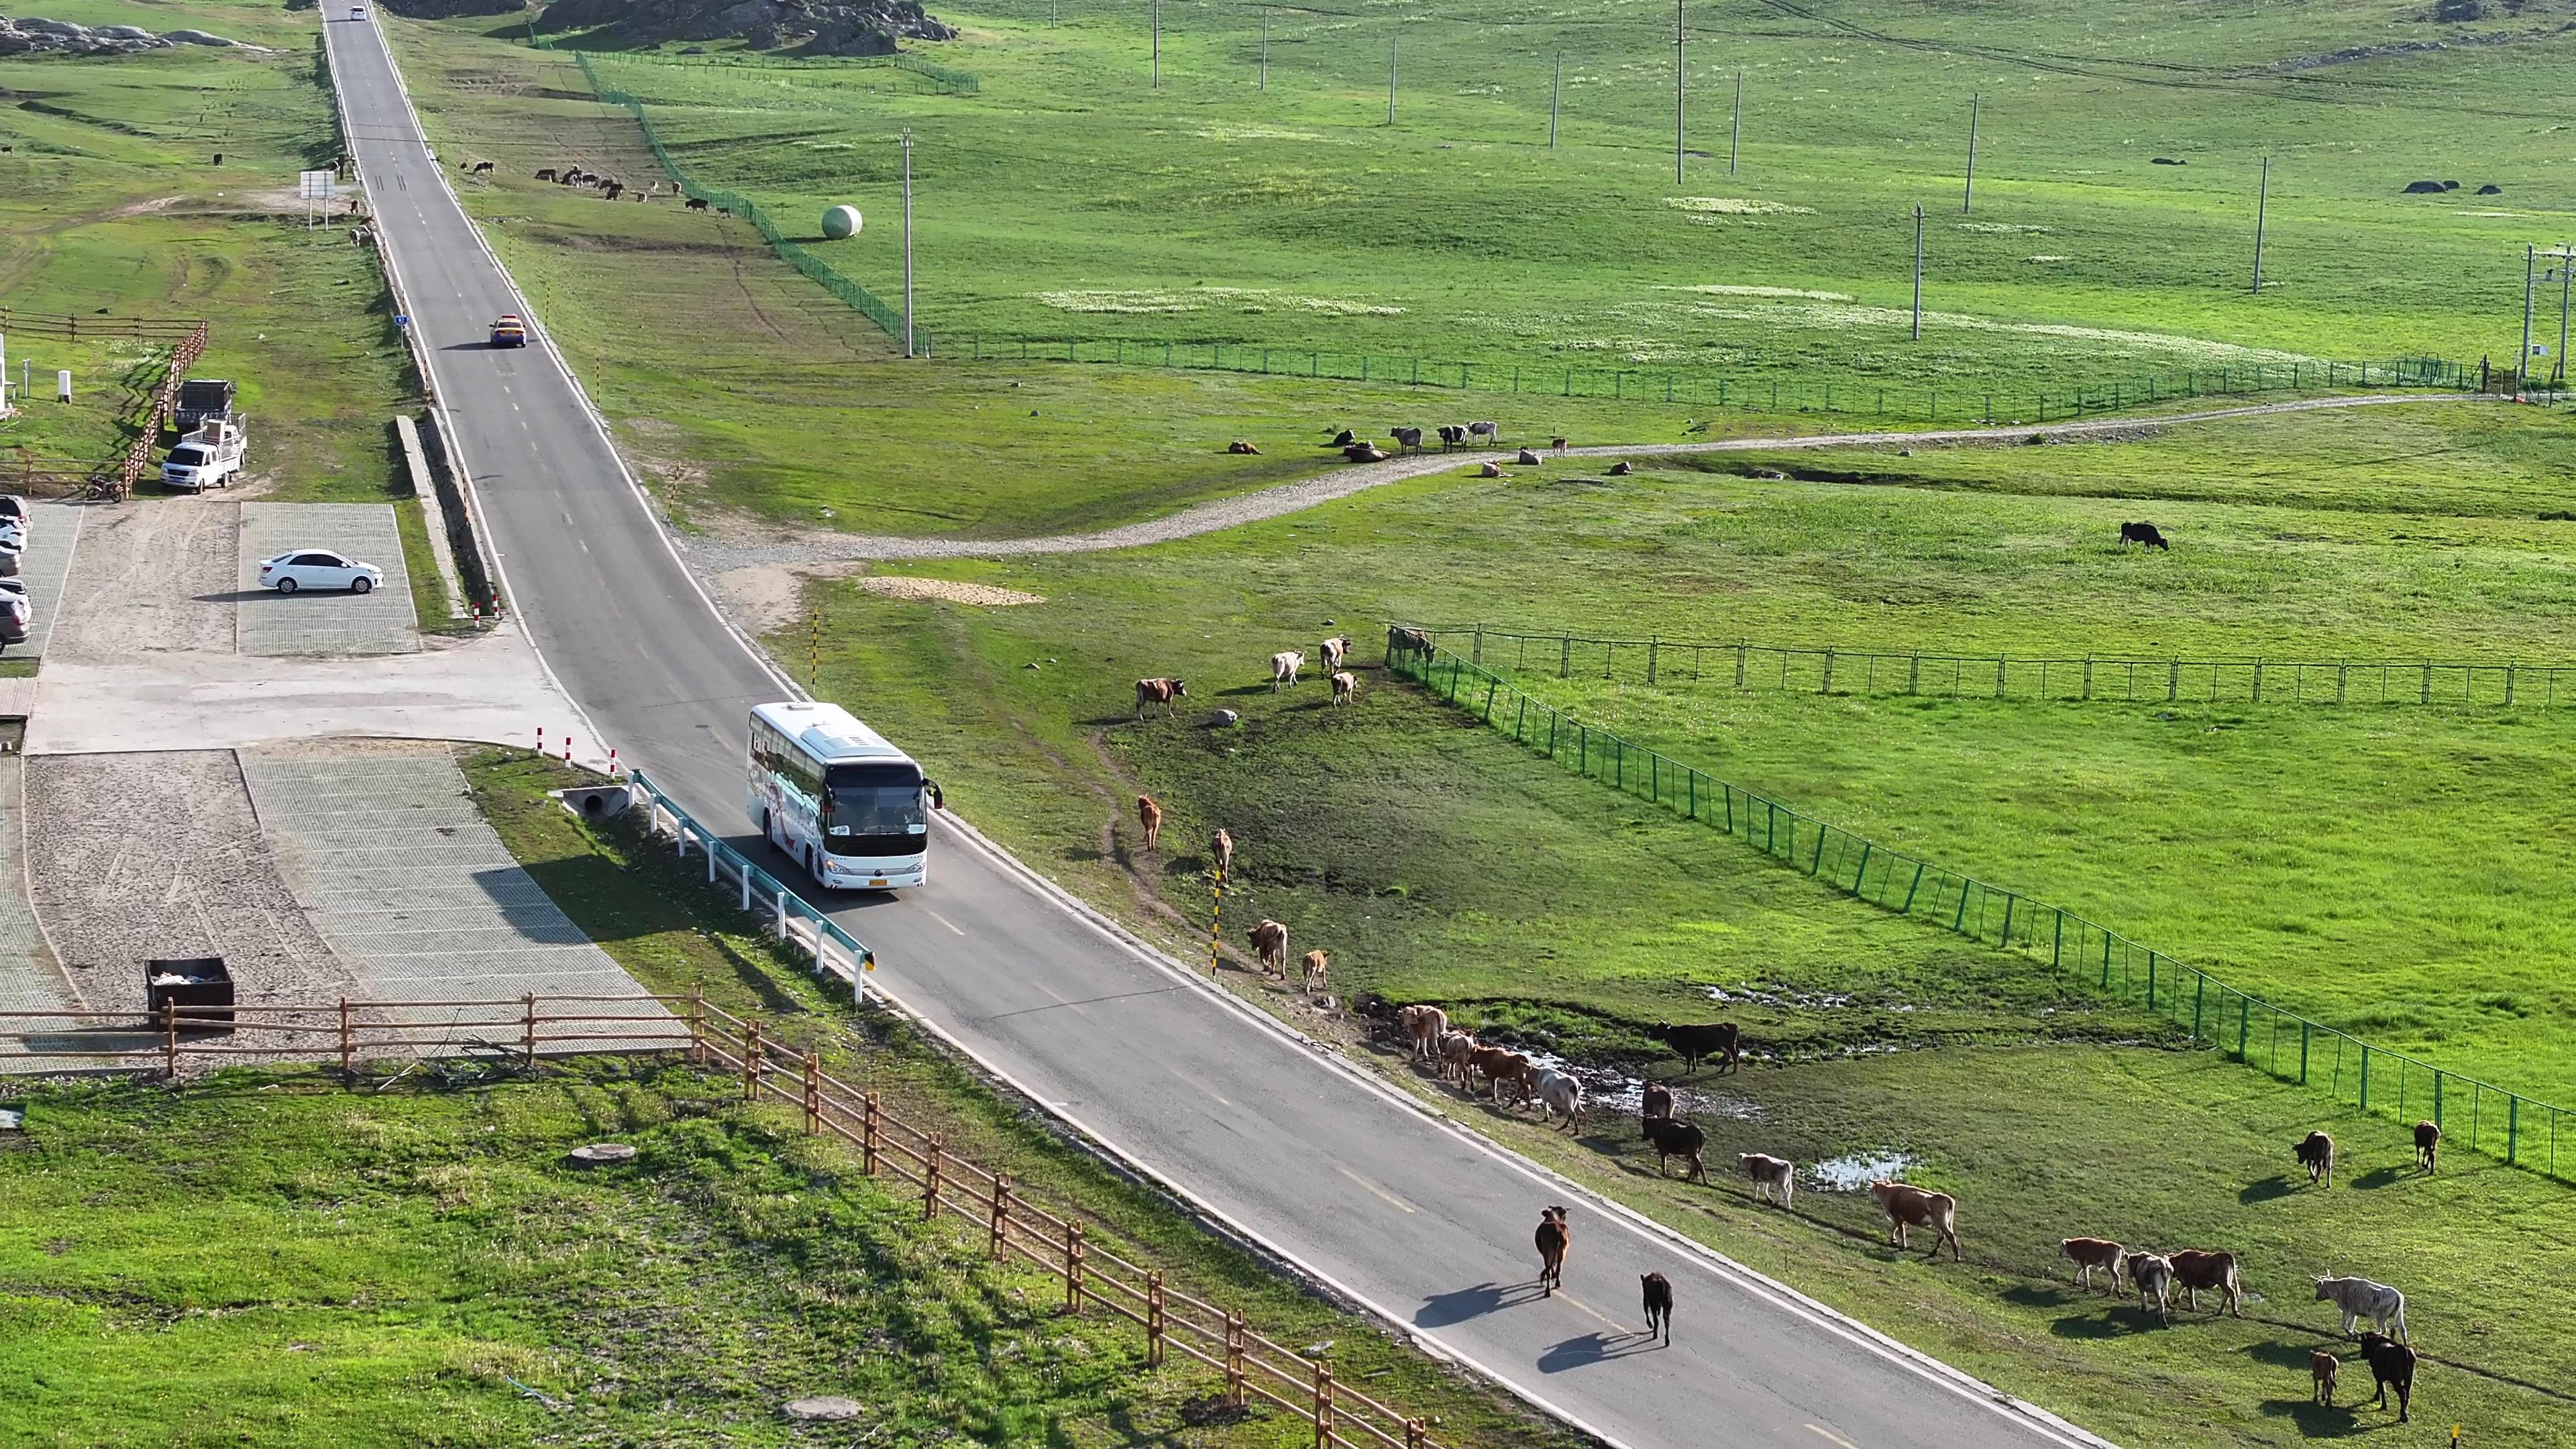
(208, 457)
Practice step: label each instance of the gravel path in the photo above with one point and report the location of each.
(151, 575)
(714, 557)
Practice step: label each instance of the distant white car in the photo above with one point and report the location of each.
(318, 568)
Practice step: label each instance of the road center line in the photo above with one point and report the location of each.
(1381, 1192)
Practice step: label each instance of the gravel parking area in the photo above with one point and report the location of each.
(52, 531)
(271, 623)
(143, 855)
(415, 892)
(155, 575)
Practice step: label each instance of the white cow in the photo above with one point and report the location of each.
(1490, 432)
(2361, 1298)
(1283, 669)
(1772, 1177)
(1560, 1092)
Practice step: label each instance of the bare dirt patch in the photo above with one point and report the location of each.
(986, 596)
(152, 575)
(766, 598)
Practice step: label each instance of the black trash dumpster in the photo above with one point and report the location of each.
(198, 986)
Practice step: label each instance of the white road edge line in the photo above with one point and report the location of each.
(1931, 1369)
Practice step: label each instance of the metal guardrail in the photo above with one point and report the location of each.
(2269, 1038)
(796, 921)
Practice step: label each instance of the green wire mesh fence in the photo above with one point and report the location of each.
(2517, 1129)
(1742, 664)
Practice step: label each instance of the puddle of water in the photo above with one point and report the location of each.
(1615, 1093)
(1854, 1172)
(1803, 1000)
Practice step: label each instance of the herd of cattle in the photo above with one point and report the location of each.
(1510, 1077)
(608, 187)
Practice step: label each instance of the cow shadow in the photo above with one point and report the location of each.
(2033, 1295)
(2287, 1355)
(1592, 1348)
(2117, 1320)
(2379, 1177)
(2315, 1420)
(2279, 1185)
(1441, 1310)
(1241, 690)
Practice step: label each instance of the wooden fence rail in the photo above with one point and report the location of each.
(346, 1032)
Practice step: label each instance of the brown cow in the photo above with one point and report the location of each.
(2427, 1138)
(1242, 448)
(2323, 1366)
(1316, 963)
(2316, 1153)
(1658, 1293)
(1346, 686)
(1558, 444)
(1910, 1206)
(2195, 1269)
(1159, 691)
(1335, 651)
(1656, 1101)
(1150, 815)
(2088, 1254)
(1221, 847)
(1500, 1065)
(1423, 1026)
(1457, 1055)
(1270, 942)
(1554, 1237)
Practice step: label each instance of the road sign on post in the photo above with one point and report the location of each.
(313, 186)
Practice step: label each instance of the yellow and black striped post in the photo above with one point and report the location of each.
(1216, 914)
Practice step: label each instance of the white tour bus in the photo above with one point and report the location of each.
(832, 793)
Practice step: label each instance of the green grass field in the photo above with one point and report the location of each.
(1069, 197)
(2387, 870)
(110, 203)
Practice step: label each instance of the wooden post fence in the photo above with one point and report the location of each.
(348, 1047)
(751, 1059)
(868, 1135)
(1073, 1265)
(813, 1094)
(998, 1244)
(930, 1178)
(1154, 1319)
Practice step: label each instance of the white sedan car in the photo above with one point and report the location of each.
(318, 568)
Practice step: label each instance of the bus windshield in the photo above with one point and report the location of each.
(874, 810)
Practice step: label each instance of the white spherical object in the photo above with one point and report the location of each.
(841, 223)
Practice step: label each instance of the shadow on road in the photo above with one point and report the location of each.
(1443, 1309)
(1592, 1348)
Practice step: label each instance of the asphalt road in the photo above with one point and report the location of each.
(1421, 1220)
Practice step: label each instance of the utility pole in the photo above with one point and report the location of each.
(1681, 86)
(1968, 198)
(1735, 141)
(1390, 80)
(1555, 100)
(907, 241)
(2522, 365)
(1050, 14)
(1918, 273)
(2262, 203)
(1158, 44)
(1265, 49)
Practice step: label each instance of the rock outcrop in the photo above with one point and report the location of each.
(37, 36)
(814, 27)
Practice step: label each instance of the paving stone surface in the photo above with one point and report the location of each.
(306, 622)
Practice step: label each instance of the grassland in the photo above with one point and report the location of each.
(110, 203)
(417, 1266)
(1068, 196)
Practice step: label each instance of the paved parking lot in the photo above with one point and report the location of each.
(52, 530)
(324, 623)
(413, 891)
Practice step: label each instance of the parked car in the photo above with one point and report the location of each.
(13, 510)
(318, 568)
(17, 612)
(13, 542)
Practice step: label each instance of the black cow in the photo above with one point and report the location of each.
(697, 203)
(1659, 1305)
(1693, 1043)
(2144, 535)
(2393, 1365)
(1675, 1138)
